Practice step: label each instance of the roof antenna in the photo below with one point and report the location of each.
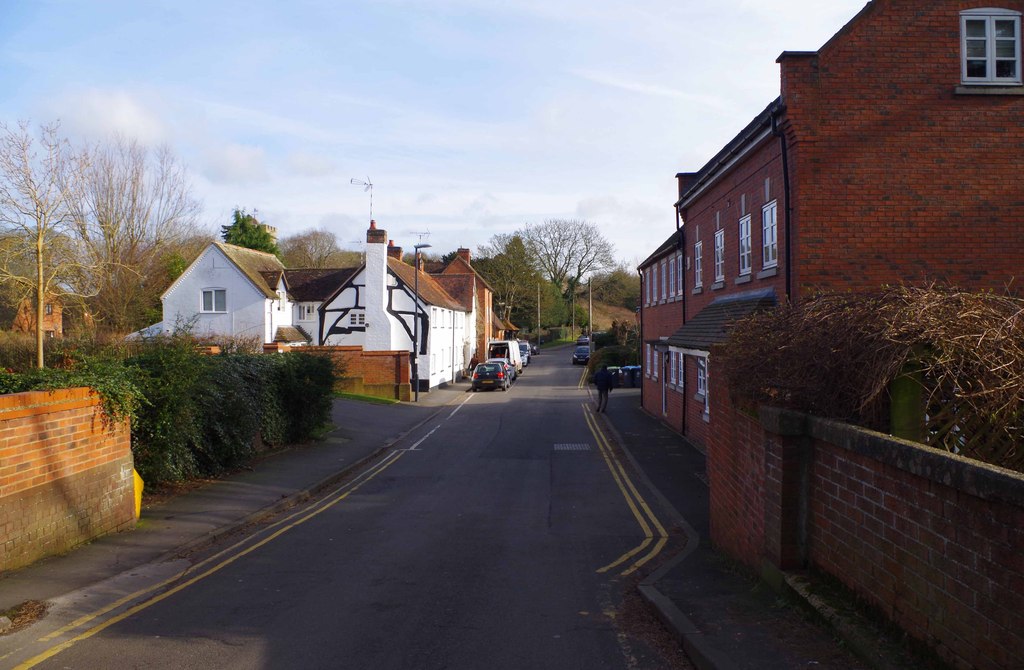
(367, 186)
(420, 235)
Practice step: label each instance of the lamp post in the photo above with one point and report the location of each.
(416, 322)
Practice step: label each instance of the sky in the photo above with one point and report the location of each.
(469, 117)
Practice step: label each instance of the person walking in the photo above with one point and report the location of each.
(603, 381)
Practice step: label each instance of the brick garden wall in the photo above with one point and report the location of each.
(384, 374)
(934, 541)
(65, 475)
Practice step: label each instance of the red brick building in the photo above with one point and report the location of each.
(892, 155)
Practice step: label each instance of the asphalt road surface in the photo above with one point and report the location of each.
(503, 533)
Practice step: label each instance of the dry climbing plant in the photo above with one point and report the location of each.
(835, 355)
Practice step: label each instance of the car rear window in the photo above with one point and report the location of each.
(488, 367)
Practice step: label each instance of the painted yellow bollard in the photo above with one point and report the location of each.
(139, 485)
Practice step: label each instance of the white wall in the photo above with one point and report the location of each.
(247, 307)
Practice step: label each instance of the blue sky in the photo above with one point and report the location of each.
(471, 117)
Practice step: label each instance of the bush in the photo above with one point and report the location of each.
(208, 413)
(192, 414)
(836, 355)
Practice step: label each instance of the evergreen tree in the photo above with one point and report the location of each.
(246, 231)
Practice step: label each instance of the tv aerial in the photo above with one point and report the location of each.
(367, 187)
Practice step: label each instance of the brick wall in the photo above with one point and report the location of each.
(932, 540)
(900, 175)
(65, 474)
(384, 374)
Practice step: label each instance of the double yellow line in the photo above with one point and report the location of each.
(654, 532)
(283, 526)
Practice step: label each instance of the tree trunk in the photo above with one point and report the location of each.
(40, 302)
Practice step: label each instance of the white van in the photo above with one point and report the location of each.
(506, 349)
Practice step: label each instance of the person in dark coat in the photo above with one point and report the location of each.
(603, 381)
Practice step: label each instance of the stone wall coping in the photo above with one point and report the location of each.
(982, 480)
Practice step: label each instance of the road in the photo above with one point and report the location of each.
(506, 532)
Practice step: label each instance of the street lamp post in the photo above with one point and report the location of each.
(416, 322)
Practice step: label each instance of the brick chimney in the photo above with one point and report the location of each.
(375, 236)
(463, 253)
(393, 251)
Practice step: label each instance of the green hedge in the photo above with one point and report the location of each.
(195, 415)
(208, 413)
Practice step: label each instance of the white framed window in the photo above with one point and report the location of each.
(702, 384)
(214, 300)
(308, 311)
(664, 280)
(647, 360)
(720, 255)
(654, 362)
(680, 371)
(769, 236)
(698, 279)
(745, 253)
(654, 284)
(679, 273)
(672, 277)
(647, 286)
(990, 46)
(702, 376)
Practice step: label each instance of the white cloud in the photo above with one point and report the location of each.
(236, 164)
(305, 164)
(96, 113)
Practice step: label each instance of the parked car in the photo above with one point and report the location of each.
(490, 376)
(581, 355)
(510, 370)
(582, 339)
(524, 352)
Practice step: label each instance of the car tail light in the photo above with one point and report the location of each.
(476, 375)
(501, 375)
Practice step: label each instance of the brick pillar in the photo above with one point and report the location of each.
(787, 479)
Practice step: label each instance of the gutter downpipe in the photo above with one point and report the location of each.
(788, 210)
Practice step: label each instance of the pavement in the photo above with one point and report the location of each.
(723, 617)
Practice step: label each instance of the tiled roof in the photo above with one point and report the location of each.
(312, 285)
(429, 290)
(711, 325)
(290, 334)
(720, 162)
(672, 243)
(253, 263)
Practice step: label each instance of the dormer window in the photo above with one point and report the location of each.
(990, 46)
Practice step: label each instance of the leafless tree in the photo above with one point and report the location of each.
(316, 248)
(134, 208)
(567, 250)
(39, 177)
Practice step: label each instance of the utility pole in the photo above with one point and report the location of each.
(538, 317)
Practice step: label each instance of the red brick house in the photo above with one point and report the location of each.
(893, 154)
(53, 317)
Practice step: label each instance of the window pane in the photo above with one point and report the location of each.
(976, 68)
(975, 27)
(219, 301)
(207, 301)
(1006, 49)
(1006, 68)
(976, 49)
(1006, 29)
